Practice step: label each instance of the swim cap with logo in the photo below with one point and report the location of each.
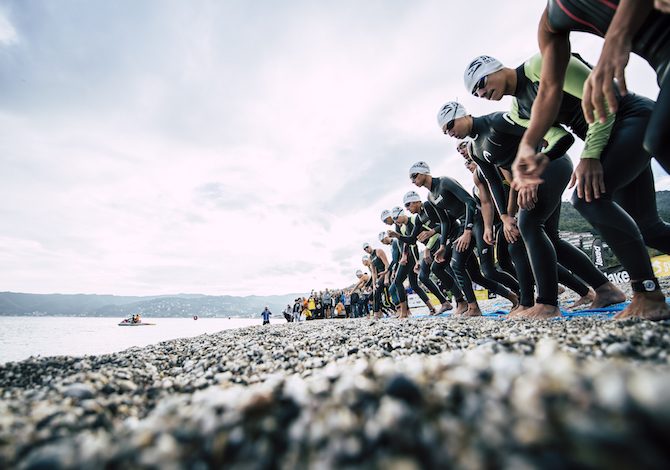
(449, 111)
(419, 167)
(366, 245)
(359, 273)
(385, 215)
(397, 211)
(411, 196)
(382, 236)
(478, 68)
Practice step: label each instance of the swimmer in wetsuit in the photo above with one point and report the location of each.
(446, 193)
(495, 140)
(427, 229)
(408, 260)
(395, 258)
(627, 26)
(392, 268)
(615, 187)
(365, 287)
(481, 192)
(485, 232)
(379, 266)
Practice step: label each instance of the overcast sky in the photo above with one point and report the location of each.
(229, 147)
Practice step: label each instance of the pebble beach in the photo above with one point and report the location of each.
(419, 393)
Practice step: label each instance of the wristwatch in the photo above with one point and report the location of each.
(647, 285)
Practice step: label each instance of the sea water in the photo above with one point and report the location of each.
(22, 337)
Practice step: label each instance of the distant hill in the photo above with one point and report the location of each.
(572, 221)
(181, 305)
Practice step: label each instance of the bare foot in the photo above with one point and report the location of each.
(541, 312)
(473, 310)
(445, 307)
(461, 307)
(404, 310)
(585, 299)
(646, 305)
(608, 294)
(516, 311)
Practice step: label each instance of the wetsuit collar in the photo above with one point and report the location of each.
(520, 79)
(478, 126)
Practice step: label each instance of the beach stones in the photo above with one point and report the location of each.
(420, 393)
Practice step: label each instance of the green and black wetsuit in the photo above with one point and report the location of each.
(652, 43)
(407, 270)
(432, 217)
(496, 139)
(626, 215)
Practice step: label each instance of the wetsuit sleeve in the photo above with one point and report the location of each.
(432, 241)
(598, 134)
(444, 229)
(452, 186)
(558, 139)
(495, 183)
(411, 238)
(395, 255)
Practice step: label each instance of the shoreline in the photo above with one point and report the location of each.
(418, 393)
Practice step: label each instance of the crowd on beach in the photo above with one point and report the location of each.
(504, 234)
(326, 304)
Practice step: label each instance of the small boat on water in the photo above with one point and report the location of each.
(130, 323)
(135, 320)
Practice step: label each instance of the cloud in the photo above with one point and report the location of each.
(232, 148)
(8, 35)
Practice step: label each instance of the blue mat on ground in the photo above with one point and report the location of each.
(607, 312)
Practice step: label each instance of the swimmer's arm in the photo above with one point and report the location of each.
(486, 203)
(555, 50)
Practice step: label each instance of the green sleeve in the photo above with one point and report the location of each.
(598, 134)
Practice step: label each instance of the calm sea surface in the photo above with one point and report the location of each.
(22, 337)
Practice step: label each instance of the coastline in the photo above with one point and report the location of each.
(394, 394)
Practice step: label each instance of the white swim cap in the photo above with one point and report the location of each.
(419, 167)
(396, 211)
(411, 196)
(366, 245)
(480, 67)
(385, 215)
(449, 111)
(365, 258)
(359, 273)
(382, 236)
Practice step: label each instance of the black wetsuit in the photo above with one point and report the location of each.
(380, 286)
(407, 270)
(652, 43)
(393, 268)
(496, 139)
(626, 215)
(432, 217)
(446, 193)
(487, 252)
